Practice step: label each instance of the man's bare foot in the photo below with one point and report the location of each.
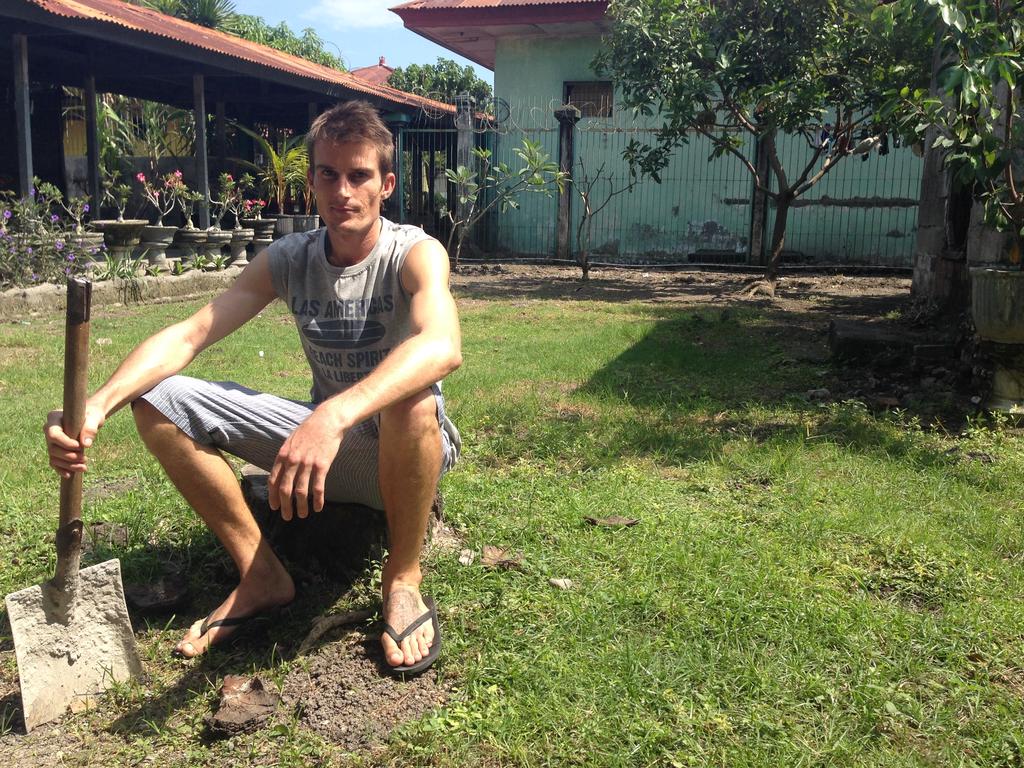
(250, 598)
(402, 606)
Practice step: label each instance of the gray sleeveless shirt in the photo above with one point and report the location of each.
(348, 318)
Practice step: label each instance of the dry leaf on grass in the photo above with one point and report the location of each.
(615, 521)
(467, 556)
(561, 583)
(493, 557)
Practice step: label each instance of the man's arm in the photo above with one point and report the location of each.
(160, 356)
(432, 351)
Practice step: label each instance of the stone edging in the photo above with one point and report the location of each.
(50, 298)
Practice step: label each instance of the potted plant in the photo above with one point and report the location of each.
(121, 235)
(302, 190)
(188, 239)
(217, 238)
(263, 229)
(234, 204)
(159, 193)
(280, 170)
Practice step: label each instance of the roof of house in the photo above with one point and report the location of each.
(472, 27)
(99, 18)
(377, 74)
(492, 3)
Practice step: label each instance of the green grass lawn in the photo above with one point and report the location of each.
(807, 585)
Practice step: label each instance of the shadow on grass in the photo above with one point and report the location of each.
(698, 380)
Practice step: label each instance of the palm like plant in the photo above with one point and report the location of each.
(284, 167)
(214, 14)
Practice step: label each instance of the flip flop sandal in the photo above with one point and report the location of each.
(228, 621)
(435, 649)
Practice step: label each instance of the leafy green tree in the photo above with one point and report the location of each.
(442, 81)
(977, 109)
(723, 70)
(307, 45)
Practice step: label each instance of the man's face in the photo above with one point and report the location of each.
(348, 185)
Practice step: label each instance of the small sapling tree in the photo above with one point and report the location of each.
(497, 186)
(595, 196)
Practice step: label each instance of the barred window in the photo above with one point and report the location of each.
(593, 98)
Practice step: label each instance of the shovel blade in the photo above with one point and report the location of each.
(69, 654)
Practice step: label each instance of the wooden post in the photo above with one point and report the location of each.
(202, 160)
(22, 114)
(567, 116)
(92, 149)
(222, 136)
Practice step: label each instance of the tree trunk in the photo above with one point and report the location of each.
(778, 237)
(583, 242)
(943, 216)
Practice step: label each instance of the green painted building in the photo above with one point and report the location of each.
(863, 212)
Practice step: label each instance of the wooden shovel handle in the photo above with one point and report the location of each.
(76, 362)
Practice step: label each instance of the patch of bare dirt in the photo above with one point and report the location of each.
(345, 694)
(844, 295)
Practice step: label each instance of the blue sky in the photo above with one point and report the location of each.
(363, 30)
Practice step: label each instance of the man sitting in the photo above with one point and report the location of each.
(380, 330)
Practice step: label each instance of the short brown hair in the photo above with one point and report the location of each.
(353, 121)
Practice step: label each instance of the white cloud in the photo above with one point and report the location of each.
(348, 14)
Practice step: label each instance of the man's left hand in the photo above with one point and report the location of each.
(300, 470)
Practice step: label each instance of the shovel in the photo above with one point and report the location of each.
(72, 635)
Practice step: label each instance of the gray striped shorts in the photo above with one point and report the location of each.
(253, 426)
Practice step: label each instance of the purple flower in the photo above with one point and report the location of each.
(54, 218)
(29, 249)
(59, 245)
(92, 251)
(34, 277)
(71, 257)
(85, 208)
(32, 191)
(7, 214)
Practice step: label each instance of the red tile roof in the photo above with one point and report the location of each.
(378, 74)
(144, 20)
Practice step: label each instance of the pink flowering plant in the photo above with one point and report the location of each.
(161, 192)
(252, 207)
(229, 198)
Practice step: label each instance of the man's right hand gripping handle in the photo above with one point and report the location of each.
(67, 454)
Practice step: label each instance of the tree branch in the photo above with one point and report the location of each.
(773, 159)
(735, 110)
(740, 156)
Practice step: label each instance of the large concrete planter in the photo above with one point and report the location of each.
(240, 239)
(283, 225)
(155, 242)
(263, 233)
(188, 240)
(216, 239)
(997, 307)
(120, 236)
